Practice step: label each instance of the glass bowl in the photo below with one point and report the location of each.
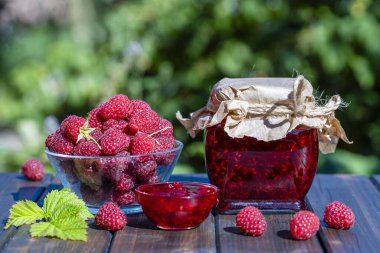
(100, 179)
(177, 206)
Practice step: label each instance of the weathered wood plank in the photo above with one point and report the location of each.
(15, 187)
(21, 241)
(277, 238)
(142, 236)
(363, 198)
(376, 180)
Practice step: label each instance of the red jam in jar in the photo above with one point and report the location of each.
(273, 176)
(177, 206)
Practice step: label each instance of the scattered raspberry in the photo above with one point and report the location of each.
(113, 141)
(115, 123)
(33, 170)
(116, 107)
(87, 148)
(145, 121)
(338, 215)
(124, 184)
(70, 127)
(94, 118)
(251, 221)
(123, 198)
(142, 144)
(110, 217)
(304, 225)
(59, 144)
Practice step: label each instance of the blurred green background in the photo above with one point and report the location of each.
(62, 57)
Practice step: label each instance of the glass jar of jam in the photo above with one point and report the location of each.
(271, 175)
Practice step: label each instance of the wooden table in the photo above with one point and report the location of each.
(218, 233)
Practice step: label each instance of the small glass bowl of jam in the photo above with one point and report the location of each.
(177, 205)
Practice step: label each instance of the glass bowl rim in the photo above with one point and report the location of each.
(178, 147)
(215, 188)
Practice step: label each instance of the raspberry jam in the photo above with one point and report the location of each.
(177, 206)
(273, 176)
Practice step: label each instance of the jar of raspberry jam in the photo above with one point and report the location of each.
(262, 139)
(271, 175)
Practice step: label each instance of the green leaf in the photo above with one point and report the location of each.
(58, 200)
(24, 212)
(66, 229)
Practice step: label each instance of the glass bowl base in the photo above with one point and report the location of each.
(265, 206)
(131, 209)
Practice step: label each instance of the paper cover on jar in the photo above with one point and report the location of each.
(268, 109)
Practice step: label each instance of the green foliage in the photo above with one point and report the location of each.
(63, 214)
(171, 52)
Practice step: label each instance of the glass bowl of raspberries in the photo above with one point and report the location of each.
(120, 145)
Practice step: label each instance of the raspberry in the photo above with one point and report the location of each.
(145, 121)
(167, 126)
(136, 106)
(114, 123)
(251, 221)
(96, 134)
(304, 225)
(86, 148)
(116, 107)
(59, 144)
(49, 142)
(143, 170)
(153, 179)
(164, 143)
(71, 126)
(94, 120)
(110, 217)
(142, 144)
(113, 169)
(87, 173)
(91, 196)
(123, 198)
(338, 215)
(33, 170)
(114, 141)
(124, 184)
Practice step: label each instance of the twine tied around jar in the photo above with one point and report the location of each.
(268, 109)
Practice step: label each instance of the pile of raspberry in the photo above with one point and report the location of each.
(114, 130)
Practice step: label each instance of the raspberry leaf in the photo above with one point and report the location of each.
(24, 212)
(56, 200)
(63, 216)
(66, 229)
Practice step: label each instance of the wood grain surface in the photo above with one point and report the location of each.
(277, 237)
(142, 236)
(14, 187)
(359, 193)
(218, 233)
